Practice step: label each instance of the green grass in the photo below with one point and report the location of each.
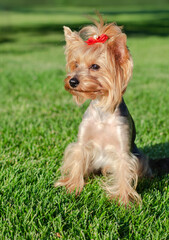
(38, 119)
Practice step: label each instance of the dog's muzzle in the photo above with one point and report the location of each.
(74, 82)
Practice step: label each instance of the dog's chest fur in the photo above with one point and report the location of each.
(104, 128)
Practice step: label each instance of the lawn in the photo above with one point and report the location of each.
(38, 119)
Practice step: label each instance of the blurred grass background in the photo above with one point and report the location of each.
(38, 119)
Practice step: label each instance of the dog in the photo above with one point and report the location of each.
(99, 66)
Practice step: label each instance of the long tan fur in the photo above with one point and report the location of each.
(104, 138)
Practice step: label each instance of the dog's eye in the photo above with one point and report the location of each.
(94, 67)
(76, 65)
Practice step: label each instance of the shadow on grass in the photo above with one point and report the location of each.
(159, 162)
(30, 48)
(157, 151)
(159, 158)
(7, 40)
(157, 25)
(69, 11)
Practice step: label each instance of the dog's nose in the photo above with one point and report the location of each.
(74, 82)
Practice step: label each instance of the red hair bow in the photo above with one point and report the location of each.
(101, 39)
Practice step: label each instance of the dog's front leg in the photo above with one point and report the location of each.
(122, 176)
(75, 167)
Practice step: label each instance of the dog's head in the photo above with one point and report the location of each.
(99, 64)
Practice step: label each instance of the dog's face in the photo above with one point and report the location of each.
(86, 65)
(98, 71)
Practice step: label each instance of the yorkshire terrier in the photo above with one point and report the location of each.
(99, 68)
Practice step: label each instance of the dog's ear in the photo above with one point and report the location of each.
(119, 48)
(68, 33)
(122, 64)
(71, 37)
